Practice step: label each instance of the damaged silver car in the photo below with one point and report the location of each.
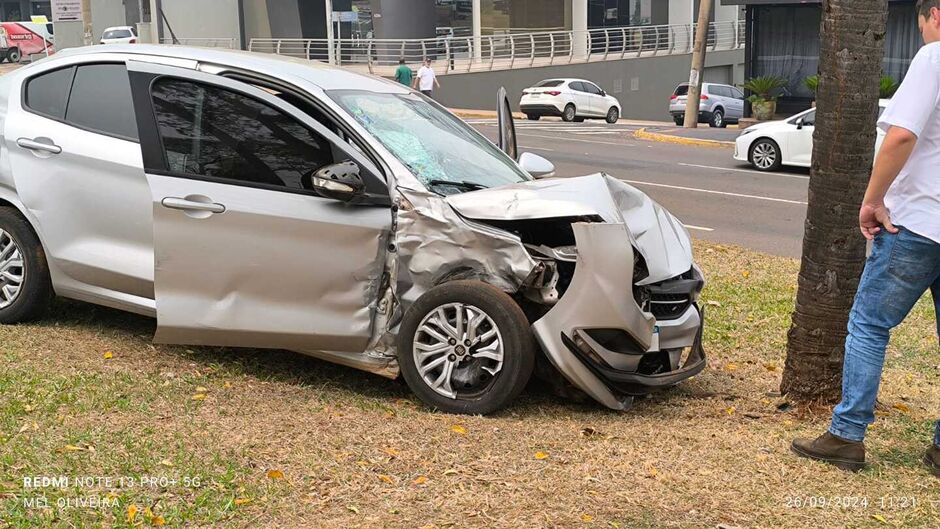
(253, 200)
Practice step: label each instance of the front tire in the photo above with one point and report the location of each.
(570, 113)
(765, 155)
(612, 115)
(465, 347)
(25, 287)
(679, 120)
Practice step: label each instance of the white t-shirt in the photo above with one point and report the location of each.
(425, 78)
(914, 197)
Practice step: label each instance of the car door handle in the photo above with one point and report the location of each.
(192, 205)
(34, 145)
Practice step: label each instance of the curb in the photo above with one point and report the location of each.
(643, 134)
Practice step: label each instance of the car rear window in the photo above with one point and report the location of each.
(117, 34)
(682, 90)
(549, 83)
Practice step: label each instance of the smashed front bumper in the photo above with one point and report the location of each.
(602, 341)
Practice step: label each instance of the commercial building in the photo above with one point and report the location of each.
(782, 39)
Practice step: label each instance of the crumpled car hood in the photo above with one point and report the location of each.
(659, 236)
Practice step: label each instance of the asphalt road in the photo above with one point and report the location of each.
(718, 198)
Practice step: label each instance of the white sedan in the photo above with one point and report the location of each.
(770, 144)
(119, 35)
(572, 99)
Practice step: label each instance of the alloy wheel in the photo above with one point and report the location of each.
(458, 350)
(12, 270)
(764, 155)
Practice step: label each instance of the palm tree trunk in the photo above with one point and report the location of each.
(851, 51)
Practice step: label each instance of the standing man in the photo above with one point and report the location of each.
(403, 73)
(901, 215)
(427, 79)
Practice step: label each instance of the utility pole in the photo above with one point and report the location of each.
(87, 28)
(698, 64)
(330, 51)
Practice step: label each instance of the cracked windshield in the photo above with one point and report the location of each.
(444, 153)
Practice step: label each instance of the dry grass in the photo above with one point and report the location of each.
(357, 450)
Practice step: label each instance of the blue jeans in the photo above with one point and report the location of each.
(900, 269)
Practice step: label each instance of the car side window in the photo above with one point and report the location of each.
(809, 120)
(592, 88)
(48, 93)
(577, 86)
(214, 132)
(101, 101)
(737, 93)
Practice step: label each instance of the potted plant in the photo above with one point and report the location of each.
(812, 83)
(763, 99)
(887, 87)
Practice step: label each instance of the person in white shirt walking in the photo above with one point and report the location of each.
(900, 214)
(426, 79)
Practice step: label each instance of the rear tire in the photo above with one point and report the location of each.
(612, 115)
(718, 119)
(570, 113)
(13, 55)
(25, 287)
(533, 117)
(474, 381)
(679, 120)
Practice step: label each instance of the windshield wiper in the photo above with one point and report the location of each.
(472, 186)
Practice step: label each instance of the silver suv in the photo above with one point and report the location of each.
(720, 104)
(254, 200)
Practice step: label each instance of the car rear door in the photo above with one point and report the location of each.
(71, 142)
(582, 99)
(596, 99)
(737, 103)
(799, 148)
(245, 253)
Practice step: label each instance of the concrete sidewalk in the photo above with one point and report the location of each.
(703, 136)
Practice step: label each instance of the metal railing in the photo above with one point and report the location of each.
(221, 42)
(507, 51)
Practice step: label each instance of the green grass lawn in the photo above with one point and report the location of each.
(251, 438)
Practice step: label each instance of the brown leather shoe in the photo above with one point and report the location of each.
(932, 460)
(845, 454)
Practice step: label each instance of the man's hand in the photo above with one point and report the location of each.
(872, 217)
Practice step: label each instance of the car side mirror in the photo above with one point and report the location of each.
(799, 124)
(339, 181)
(536, 166)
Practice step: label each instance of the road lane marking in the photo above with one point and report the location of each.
(537, 148)
(713, 192)
(571, 139)
(744, 171)
(700, 228)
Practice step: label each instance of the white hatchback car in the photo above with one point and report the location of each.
(119, 35)
(771, 144)
(572, 99)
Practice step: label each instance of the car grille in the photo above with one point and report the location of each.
(669, 306)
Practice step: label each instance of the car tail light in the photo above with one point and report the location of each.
(553, 93)
(132, 41)
(704, 97)
(673, 97)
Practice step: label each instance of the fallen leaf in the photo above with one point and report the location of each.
(770, 366)
(242, 501)
(157, 521)
(72, 448)
(589, 432)
(352, 508)
(227, 385)
(900, 406)
(713, 303)
(108, 355)
(451, 472)
(651, 471)
(131, 512)
(386, 478)
(199, 396)
(166, 463)
(880, 518)
(730, 410)
(458, 429)
(391, 451)
(23, 428)
(201, 389)
(587, 518)
(731, 366)
(746, 274)
(420, 480)
(275, 474)
(541, 455)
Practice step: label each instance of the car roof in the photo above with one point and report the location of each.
(318, 73)
(118, 27)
